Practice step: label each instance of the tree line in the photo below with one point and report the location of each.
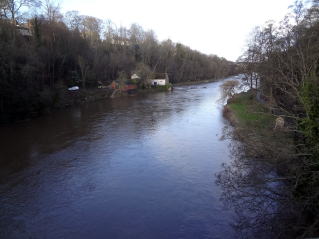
(281, 64)
(43, 50)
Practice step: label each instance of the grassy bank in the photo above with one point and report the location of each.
(244, 111)
(254, 126)
(259, 182)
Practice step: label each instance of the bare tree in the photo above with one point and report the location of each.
(3, 9)
(52, 10)
(73, 20)
(12, 9)
(84, 67)
(91, 28)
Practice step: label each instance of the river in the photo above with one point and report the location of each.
(134, 167)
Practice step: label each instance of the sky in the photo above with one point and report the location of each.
(220, 27)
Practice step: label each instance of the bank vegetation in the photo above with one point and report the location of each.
(273, 181)
(43, 52)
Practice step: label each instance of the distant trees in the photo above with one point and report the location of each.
(75, 49)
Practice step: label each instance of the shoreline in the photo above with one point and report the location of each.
(60, 99)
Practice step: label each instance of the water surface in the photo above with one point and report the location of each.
(135, 167)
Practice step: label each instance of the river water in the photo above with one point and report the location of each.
(135, 167)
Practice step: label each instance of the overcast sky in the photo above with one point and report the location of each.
(218, 27)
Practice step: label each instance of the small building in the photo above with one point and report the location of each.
(160, 79)
(135, 77)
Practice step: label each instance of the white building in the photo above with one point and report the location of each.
(135, 77)
(160, 79)
(156, 82)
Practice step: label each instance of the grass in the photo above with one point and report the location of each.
(249, 113)
(254, 126)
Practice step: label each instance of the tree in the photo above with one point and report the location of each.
(91, 28)
(52, 10)
(3, 9)
(73, 20)
(60, 50)
(12, 9)
(84, 67)
(286, 61)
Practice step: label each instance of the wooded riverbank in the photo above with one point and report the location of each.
(260, 182)
(52, 101)
(281, 66)
(43, 54)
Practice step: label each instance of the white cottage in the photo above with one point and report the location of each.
(160, 79)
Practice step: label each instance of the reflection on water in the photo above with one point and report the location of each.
(261, 199)
(135, 167)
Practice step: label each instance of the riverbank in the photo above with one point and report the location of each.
(48, 102)
(254, 125)
(259, 183)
